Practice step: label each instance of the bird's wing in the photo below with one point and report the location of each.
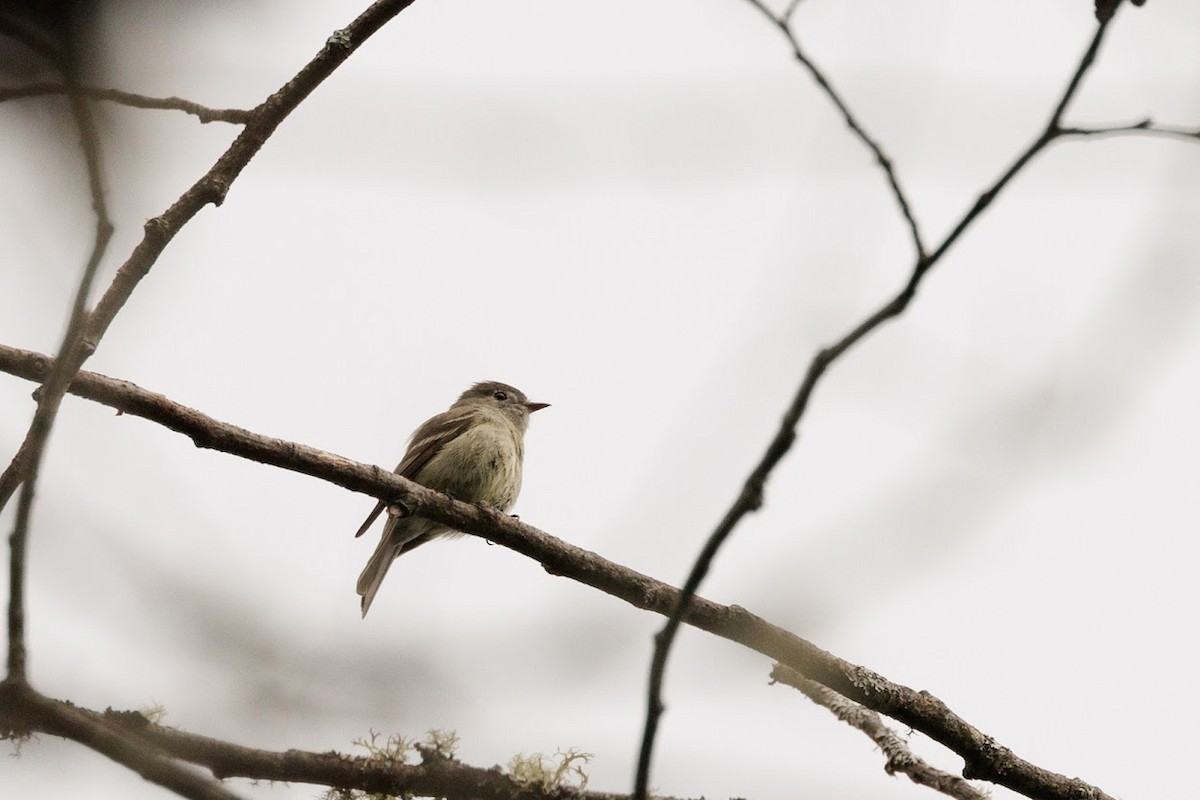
(426, 443)
(430, 438)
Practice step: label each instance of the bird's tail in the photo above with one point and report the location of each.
(373, 574)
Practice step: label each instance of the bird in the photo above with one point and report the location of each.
(472, 451)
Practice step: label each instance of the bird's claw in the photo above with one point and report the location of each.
(399, 510)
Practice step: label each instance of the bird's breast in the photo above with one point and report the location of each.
(481, 465)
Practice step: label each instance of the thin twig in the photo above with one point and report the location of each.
(983, 757)
(213, 186)
(1145, 126)
(900, 757)
(751, 496)
(1052, 131)
(85, 330)
(23, 469)
(205, 114)
(881, 158)
(786, 16)
(159, 231)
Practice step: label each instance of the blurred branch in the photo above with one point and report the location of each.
(85, 330)
(234, 116)
(750, 498)
(889, 171)
(24, 712)
(21, 26)
(159, 231)
(212, 187)
(1145, 126)
(437, 775)
(899, 757)
(23, 469)
(984, 758)
(786, 16)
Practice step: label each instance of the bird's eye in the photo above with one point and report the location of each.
(501, 396)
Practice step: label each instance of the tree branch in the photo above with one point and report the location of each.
(23, 469)
(85, 330)
(24, 711)
(783, 23)
(1145, 126)
(211, 188)
(751, 496)
(437, 775)
(205, 114)
(984, 758)
(899, 757)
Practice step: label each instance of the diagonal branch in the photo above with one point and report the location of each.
(1052, 131)
(24, 711)
(85, 329)
(881, 158)
(984, 758)
(212, 187)
(205, 114)
(899, 757)
(159, 231)
(750, 497)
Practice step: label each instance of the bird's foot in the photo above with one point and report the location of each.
(399, 510)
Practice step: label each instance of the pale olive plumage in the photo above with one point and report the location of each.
(473, 452)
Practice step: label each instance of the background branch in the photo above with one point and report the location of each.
(899, 757)
(84, 331)
(211, 188)
(783, 23)
(24, 711)
(148, 745)
(984, 758)
(23, 468)
(751, 496)
(204, 113)
(1145, 127)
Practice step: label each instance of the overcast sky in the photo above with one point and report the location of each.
(648, 216)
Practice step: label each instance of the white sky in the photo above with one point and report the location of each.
(646, 215)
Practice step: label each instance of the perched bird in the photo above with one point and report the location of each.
(472, 452)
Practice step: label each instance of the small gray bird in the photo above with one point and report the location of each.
(472, 452)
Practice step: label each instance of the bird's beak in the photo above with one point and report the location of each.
(536, 406)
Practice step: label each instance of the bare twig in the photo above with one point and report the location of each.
(211, 188)
(751, 496)
(236, 116)
(899, 757)
(85, 330)
(24, 711)
(23, 469)
(786, 16)
(1052, 131)
(1145, 127)
(881, 158)
(984, 758)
